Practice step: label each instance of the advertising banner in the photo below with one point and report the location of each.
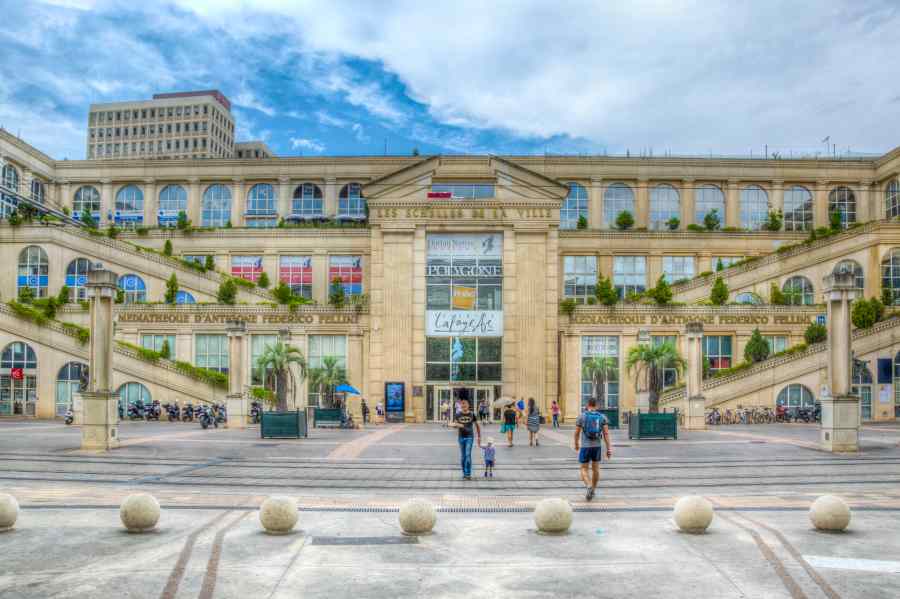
(464, 323)
(465, 245)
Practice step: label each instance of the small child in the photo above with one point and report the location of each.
(488, 451)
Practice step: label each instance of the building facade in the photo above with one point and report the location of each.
(469, 276)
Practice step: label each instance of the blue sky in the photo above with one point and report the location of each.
(508, 77)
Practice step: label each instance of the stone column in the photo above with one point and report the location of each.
(732, 216)
(106, 202)
(284, 197)
(866, 209)
(330, 205)
(64, 196)
(840, 410)
(820, 205)
(695, 402)
(238, 201)
(777, 203)
(595, 204)
(355, 375)
(687, 203)
(194, 205)
(236, 400)
(100, 414)
(151, 203)
(642, 208)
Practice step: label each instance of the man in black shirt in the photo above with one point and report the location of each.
(465, 422)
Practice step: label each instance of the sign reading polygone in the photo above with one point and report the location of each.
(464, 323)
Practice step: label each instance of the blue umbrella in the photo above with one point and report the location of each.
(345, 388)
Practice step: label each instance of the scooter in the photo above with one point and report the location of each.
(187, 414)
(206, 418)
(153, 411)
(255, 412)
(173, 411)
(221, 414)
(136, 410)
(70, 416)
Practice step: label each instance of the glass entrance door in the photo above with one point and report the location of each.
(443, 404)
(447, 400)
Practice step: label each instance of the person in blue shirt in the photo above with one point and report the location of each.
(590, 428)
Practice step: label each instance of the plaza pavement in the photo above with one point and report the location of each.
(69, 542)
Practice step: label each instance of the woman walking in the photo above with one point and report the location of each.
(510, 417)
(554, 410)
(534, 422)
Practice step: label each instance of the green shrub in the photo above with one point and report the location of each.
(62, 298)
(183, 223)
(719, 293)
(210, 263)
(815, 333)
(263, 282)
(834, 221)
(165, 351)
(171, 289)
(711, 220)
(673, 223)
(227, 292)
(695, 228)
(866, 313)
(14, 218)
(28, 312)
(243, 282)
(756, 349)
(120, 296)
(775, 221)
(606, 293)
(26, 294)
(167, 248)
(142, 231)
(283, 293)
(662, 293)
(112, 232)
(567, 306)
(777, 296)
(336, 296)
(624, 221)
(582, 222)
(88, 219)
(79, 332)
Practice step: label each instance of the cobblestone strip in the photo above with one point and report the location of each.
(353, 449)
(212, 566)
(171, 588)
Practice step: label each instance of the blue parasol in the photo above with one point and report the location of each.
(345, 388)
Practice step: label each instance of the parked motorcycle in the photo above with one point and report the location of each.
(154, 410)
(70, 416)
(136, 410)
(173, 411)
(221, 414)
(187, 413)
(206, 417)
(255, 412)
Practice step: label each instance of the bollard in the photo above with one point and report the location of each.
(417, 517)
(829, 513)
(553, 516)
(139, 512)
(9, 512)
(278, 515)
(693, 514)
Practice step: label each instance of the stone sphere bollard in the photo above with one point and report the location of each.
(417, 517)
(829, 513)
(278, 515)
(139, 512)
(9, 512)
(693, 514)
(553, 516)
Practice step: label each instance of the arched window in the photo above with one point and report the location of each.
(664, 206)
(38, 191)
(574, 207)
(798, 291)
(617, 198)
(796, 396)
(129, 207)
(892, 199)
(72, 379)
(351, 204)
(18, 380)
(798, 209)
(87, 198)
(890, 276)
(131, 393)
(183, 297)
(853, 267)
(262, 205)
(307, 201)
(134, 288)
(172, 201)
(33, 271)
(843, 201)
(216, 206)
(706, 199)
(754, 207)
(76, 278)
(862, 388)
(749, 298)
(11, 178)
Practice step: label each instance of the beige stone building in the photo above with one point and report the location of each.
(457, 271)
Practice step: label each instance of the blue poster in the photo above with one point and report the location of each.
(394, 397)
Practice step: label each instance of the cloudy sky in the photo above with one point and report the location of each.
(331, 77)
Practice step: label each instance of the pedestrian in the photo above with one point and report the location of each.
(554, 411)
(379, 412)
(483, 411)
(533, 423)
(445, 411)
(488, 452)
(590, 427)
(465, 422)
(510, 418)
(365, 411)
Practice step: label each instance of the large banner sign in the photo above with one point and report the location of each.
(464, 323)
(465, 245)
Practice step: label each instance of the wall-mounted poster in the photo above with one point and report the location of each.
(395, 401)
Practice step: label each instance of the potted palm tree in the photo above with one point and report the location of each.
(600, 370)
(325, 378)
(275, 367)
(648, 364)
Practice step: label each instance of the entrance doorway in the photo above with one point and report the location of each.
(446, 398)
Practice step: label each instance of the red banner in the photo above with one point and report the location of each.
(17, 374)
(440, 195)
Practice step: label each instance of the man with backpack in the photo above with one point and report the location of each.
(590, 428)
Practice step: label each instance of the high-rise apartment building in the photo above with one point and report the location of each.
(196, 124)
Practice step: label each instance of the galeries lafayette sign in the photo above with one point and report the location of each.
(464, 323)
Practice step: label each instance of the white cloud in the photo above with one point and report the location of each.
(248, 99)
(300, 143)
(359, 132)
(330, 120)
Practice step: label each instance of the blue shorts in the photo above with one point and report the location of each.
(489, 463)
(590, 454)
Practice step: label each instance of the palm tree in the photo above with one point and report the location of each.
(328, 376)
(274, 369)
(652, 361)
(600, 370)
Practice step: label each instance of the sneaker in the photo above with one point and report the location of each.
(485, 473)
(492, 475)
(590, 494)
(467, 477)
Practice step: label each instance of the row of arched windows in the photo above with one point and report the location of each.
(799, 291)
(307, 202)
(665, 204)
(33, 272)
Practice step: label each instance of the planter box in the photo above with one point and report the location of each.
(283, 425)
(653, 426)
(612, 414)
(327, 417)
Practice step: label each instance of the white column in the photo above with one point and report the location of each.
(595, 204)
(236, 400)
(642, 209)
(100, 415)
(687, 202)
(695, 402)
(331, 201)
(732, 216)
(151, 203)
(284, 197)
(820, 205)
(777, 202)
(194, 205)
(840, 410)
(106, 201)
(238, 202)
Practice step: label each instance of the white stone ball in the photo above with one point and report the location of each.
(417, 517)
(829, 513)
(553, 516)
(693, 514)
(139, 512)
(9, 511)
(278, 515)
